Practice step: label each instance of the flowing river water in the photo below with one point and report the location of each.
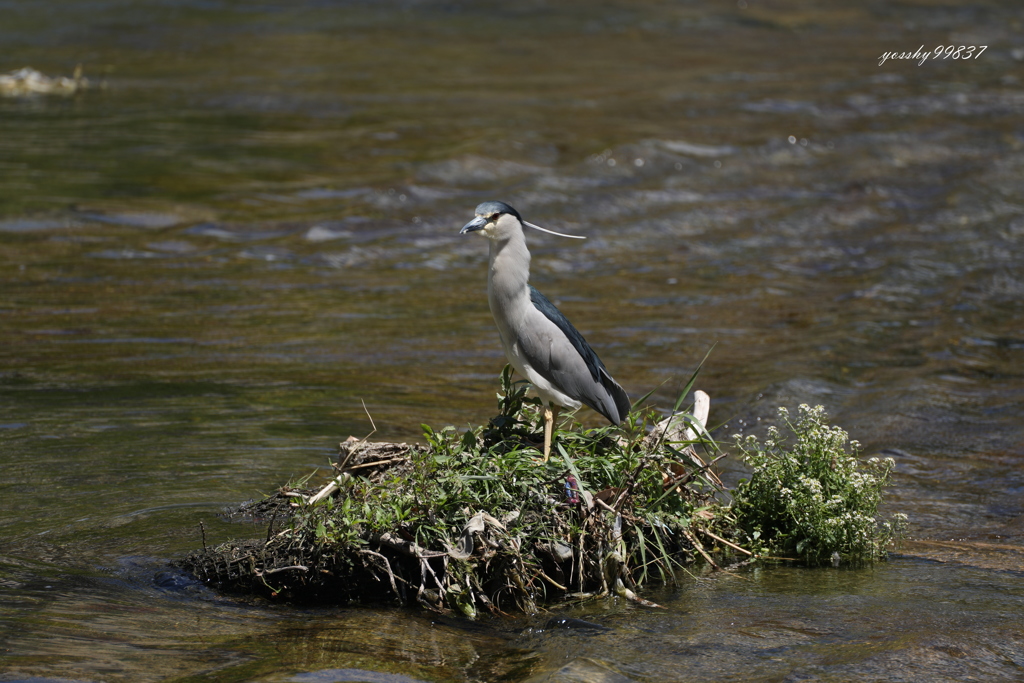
(245, 228)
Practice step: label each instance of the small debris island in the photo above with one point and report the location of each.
(475, 521)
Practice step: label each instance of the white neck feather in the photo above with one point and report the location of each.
(507, 278)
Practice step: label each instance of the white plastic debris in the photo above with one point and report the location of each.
(28, 81)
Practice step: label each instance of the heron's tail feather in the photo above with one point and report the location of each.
(616, 409)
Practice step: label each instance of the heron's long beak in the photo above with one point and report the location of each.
(478, 223)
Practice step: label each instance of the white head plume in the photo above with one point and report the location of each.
(552, 232)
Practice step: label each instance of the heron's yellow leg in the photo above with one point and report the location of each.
(550, 415)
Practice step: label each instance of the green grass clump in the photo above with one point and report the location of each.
(811, 499)
(529, 541)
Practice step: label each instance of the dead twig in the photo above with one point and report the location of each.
(722, 540)
(335, 484)
(405, 547)
(268, 572)
(547, 578)
(700, 548)
(387, 565)
(373, 464)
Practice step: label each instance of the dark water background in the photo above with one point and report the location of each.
(247, 226)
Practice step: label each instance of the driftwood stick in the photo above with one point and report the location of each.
(267, 572)
(686, 477)
(327, 490)
(424, 568)
(700, 548)
(578, 560)
(405, 547)
(387, 565)
(335, 484)
(547, 578)
(722, 540)
(373, 464)
(623, 592)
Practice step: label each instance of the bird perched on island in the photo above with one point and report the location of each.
(539, 342)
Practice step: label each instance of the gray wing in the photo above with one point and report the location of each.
(573, 367)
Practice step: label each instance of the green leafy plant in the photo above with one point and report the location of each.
(810, 498)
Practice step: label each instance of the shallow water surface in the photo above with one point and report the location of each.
(245, 229)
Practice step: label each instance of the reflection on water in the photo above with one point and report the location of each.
(247, 226)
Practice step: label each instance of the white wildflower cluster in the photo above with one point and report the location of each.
(811, 496)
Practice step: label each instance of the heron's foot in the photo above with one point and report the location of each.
(546, 453)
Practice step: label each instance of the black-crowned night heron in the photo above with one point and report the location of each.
(540, 342)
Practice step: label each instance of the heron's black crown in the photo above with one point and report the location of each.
(492, 208)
